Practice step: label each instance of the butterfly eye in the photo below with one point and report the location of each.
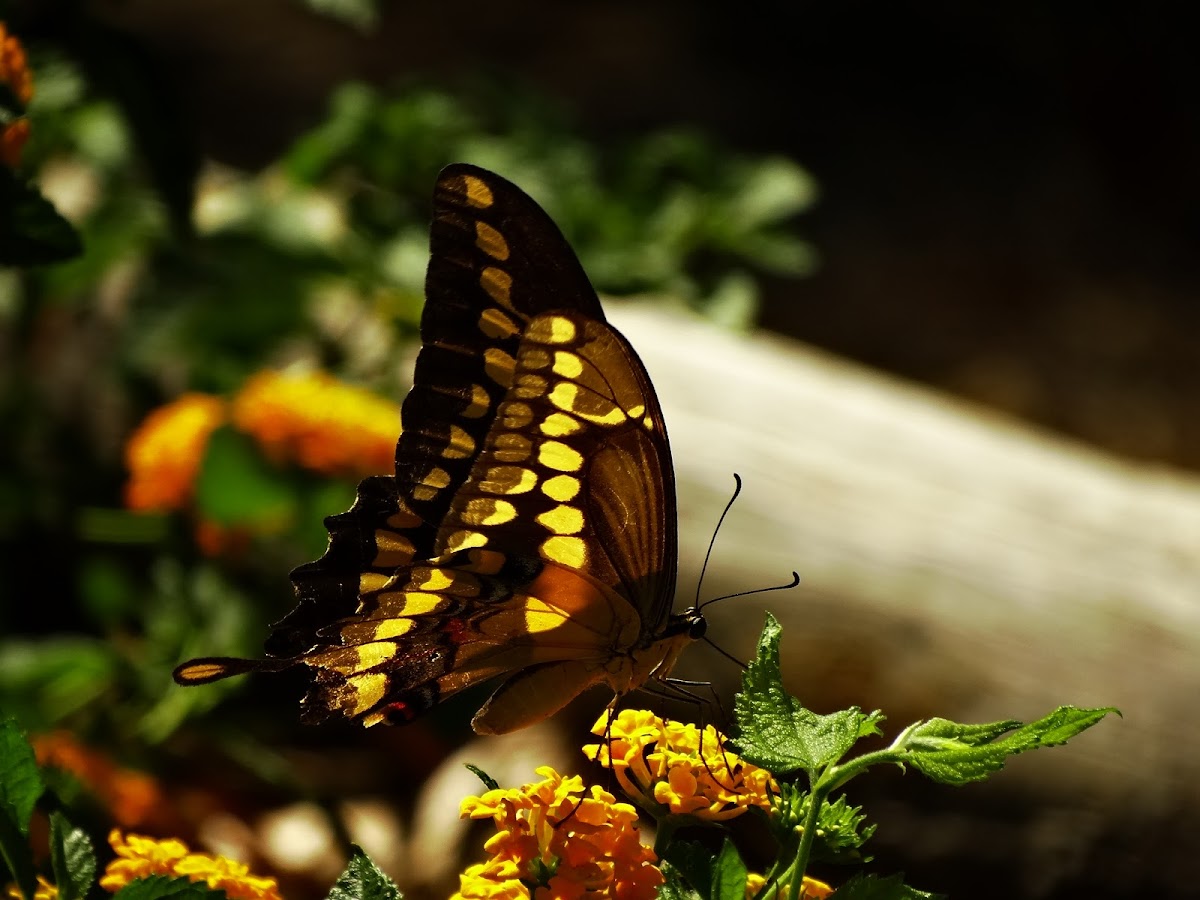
(697, 627)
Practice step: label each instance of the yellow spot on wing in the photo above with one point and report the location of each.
(392, 549)
(566, 551)
(431, 579)
(561, 487)
(566, 396)
(512, 448)
(490, 241)
(372, 581)
(437, 478)
(478, 194)
(540, 616)
(562, 520)
(557, 455)
(486, 511)
(371, 655)
(515, 415)
(567, 365)
(367, 690)
(559, 425)
(481, 400)
(497, 283)
(496, 324)
(499, 366)
(417, 603)
(552, 330)
(530, 386)
(461, 444)
(465, 540)
(534, 358)
(390, 628)
(508, 480)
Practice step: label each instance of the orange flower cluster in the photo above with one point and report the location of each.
(132, 798)
(313, 419)
(554, 842)
(677, 768)
(14, 72)
(164, 452)
(323, 424)
(140, 857)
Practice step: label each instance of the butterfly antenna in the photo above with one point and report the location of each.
(778, 587)
(725, 653)
(737, 489)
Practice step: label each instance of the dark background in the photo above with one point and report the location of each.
(1009, 195)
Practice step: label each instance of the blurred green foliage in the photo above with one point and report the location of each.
(193, 276)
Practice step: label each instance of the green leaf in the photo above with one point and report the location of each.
(20, 786)
(71, 857)
(777, 732)
(362, 880)
(674, 886)
(693, 864)
(869, 887)
(31, 230)
(728, 874)
(236, 486)
(20, 782)
(951, 753)
(488, 781)
(157, 887)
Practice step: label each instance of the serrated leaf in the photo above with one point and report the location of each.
(869, 887)
(952, 753)
(362, 880)
(777, 732)
(728, 874)
(236, 486)
(71, 857)
(157, 887)
(488, 781)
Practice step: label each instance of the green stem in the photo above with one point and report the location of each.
(800, 866)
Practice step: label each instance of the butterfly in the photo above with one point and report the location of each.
(529, 532)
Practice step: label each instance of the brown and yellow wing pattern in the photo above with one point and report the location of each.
(529, 531)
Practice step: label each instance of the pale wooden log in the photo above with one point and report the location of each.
(955, 562)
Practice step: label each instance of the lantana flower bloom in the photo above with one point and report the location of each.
(164, 452)
(323, 424)
(554, 841)
(15, 74)
(678, 768)
(131, 798)
(140, 857)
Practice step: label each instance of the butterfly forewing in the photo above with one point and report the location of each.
(529, 530)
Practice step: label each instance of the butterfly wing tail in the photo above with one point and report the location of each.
(214, 668)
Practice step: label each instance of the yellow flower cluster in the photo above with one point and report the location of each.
(555, 842)
(323, 424)
(45, 891)
(677, 768)
(140, 857)
(810, 888)
(14, 72)
(132, 798)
